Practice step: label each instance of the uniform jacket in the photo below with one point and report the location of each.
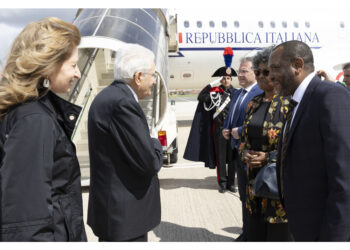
(124, 199)
(316, 169)
(241, 113)
(40, 175)
(200, 143)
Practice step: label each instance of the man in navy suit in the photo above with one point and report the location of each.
(233, 125)
(314, 153)
(124, 198)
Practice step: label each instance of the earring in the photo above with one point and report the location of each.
(46, 83)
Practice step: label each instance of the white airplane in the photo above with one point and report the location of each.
(202, 35)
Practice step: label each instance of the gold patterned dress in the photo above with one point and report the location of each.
(272, 210)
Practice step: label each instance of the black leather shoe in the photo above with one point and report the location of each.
(241, 238)
(232, 188)
(222, 189)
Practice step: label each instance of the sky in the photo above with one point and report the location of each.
(12, 21)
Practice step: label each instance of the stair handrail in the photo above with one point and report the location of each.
(160, 121)
(84, 72)
(86, 101)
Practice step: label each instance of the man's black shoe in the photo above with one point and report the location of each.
(232, 188)
(222, 189)
(241, 238)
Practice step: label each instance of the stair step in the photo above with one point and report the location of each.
(84, 135)
(109, 75)
(85, 171)
(83, 158)
(85, 182)
(82, 145)
(85, 165)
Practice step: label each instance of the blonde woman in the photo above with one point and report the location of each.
(40, 175)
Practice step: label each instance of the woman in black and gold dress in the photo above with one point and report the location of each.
(267, 219)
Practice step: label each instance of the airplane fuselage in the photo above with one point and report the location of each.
(202, 37)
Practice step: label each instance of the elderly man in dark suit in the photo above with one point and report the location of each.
(314, 153)
(233, 125)
(124, 199)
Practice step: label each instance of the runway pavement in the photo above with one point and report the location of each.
(192, 208)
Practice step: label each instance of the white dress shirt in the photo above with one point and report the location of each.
(248, 89)
(133, 92)
(299, 93)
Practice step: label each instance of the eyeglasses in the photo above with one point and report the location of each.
(265, 72)
(154, 75)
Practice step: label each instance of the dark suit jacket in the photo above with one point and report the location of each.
(316, 171)
(124, 199)
(241, 111)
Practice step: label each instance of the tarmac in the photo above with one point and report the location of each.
(192, 208)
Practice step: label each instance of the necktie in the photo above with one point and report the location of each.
(237, 105)
(291, 107)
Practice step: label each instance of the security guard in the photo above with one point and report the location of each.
(206, 142)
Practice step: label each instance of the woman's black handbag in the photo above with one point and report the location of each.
(265, 183)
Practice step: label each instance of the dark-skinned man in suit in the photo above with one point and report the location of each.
(314, 152)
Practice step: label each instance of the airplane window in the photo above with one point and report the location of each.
(284, 24)
(342, 25)
(236, 23)
(307, 24)
(272, 24)
(212, 24)
(261, 24)
(224, 24)
(199, 24)
(186, 75)
(296, 24)
(186, 24)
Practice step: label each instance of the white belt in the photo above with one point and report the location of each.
(221, 108)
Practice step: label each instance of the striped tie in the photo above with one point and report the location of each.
(291, 106)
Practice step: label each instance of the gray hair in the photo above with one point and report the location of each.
(262, 57)
(247, 59)
(130, 59)
(346, 66)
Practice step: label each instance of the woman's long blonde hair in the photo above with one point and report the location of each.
(37, 52)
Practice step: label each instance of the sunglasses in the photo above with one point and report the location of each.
(265, 72)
